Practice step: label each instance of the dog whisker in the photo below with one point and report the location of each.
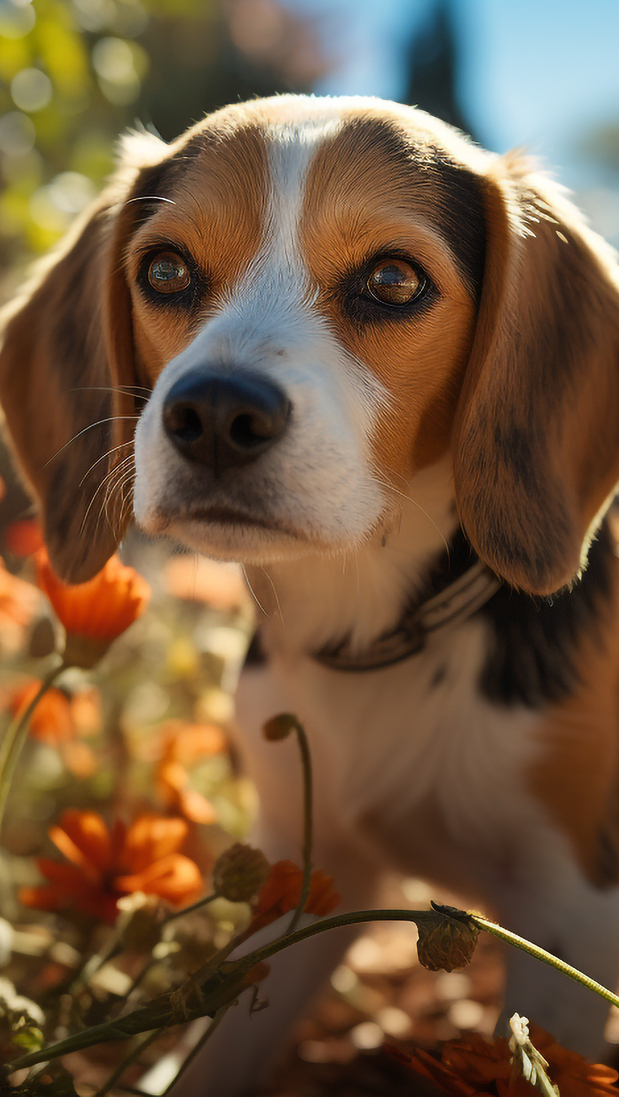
(99, 423)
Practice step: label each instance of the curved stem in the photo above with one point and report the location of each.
(15, 737)
(546, 957)
(228, 984)
(190, 910)
(306, 766)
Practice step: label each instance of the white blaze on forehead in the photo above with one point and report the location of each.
(291, 149)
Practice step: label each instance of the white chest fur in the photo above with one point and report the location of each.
(413, 757)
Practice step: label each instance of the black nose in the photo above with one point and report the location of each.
(224, 420)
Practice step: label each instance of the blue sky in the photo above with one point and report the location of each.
(539, 73)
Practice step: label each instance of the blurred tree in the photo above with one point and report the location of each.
(433, 65)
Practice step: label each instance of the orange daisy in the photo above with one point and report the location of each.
(476, 1065)
(104, 865)
(183, 745)
(282, 892)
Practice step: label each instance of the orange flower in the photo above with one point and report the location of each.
(51, 721)
(104, 866)
(183, 745)
(58, 721)
(427, 1066)
(96, 612)
(475, 1065)
(18, 602)
(172, 781)
(282, 892)
(574, 1076)
(187, 743)
(23, 537)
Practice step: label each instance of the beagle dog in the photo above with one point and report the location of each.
(334, 340)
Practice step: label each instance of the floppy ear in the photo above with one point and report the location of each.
(67, 350)
(536, 439)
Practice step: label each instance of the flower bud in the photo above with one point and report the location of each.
(279, 727)
(446, 942)
(239, 873)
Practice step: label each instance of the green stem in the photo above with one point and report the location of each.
(15, 737)
(190, 910)
(546, 957)
(121, 1068)
(217, 1019)
(306, 765)
(225, 985)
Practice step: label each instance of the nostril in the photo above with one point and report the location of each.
(184, 423)
(248, 431)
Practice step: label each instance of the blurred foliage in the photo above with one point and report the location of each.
(76, 73)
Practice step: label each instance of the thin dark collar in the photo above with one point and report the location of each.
(459, 586)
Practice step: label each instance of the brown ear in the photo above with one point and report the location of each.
(67, 349)
(536, 441)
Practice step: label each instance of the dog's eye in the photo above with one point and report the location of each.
(394, 282)
(168, 272)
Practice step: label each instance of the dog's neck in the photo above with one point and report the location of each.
(316, 600)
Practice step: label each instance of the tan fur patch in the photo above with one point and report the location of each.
(218, 184)
(365, 197)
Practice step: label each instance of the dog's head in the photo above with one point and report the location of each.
(301, 304)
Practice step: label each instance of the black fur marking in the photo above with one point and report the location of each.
(533, 653)
(533, 657)
(464, 221)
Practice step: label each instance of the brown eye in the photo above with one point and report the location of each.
(394, 282)
(168, 273)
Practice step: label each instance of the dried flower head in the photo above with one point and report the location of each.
(446, 942)
(240, 872)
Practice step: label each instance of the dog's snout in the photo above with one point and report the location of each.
(224, 420)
